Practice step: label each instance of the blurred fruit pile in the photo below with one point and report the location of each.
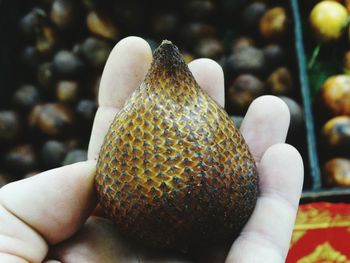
(64, 45)
(329, 65)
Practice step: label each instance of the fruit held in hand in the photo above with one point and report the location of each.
(173, 171)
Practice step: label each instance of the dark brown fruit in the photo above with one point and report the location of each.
(173, 171)
(242, 42)
(45, 75)
(95, 52)
(26, 97)
(336, 133)
(20, 159)
(247, 60)
(10, 126)
(30, 57)
(273, 24)
(252, 14)
(67, 64)
(53, 153)
(101, 25)
(336, 172)
(63, 13)
(193, 32)
(280, 82)
(335, 95)
(31, 23)
(74, 156)
(243, 90)
(53, 119)
(296, 117)
(274, 55)
(86, 110)
(46, 41)
(67, 91)
(209, 48)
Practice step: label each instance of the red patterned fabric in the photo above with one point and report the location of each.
(321, 234)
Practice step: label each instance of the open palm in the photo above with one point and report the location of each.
(47, 217)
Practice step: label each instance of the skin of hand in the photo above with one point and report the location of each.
(46, 218)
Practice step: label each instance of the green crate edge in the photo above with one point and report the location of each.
(306, 98)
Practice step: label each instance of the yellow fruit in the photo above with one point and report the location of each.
(336, 172)
(335, 95)
(328, 19)
(273, 24)
(173, 171)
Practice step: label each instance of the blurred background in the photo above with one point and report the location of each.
(53, 52)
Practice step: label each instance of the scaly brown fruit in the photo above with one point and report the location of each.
(173, 171)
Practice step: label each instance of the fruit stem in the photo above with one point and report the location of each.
(314, 56)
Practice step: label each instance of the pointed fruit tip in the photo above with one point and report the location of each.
(166, 42)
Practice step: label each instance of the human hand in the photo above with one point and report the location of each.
(43, 218)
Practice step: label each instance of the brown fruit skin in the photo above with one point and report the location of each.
(209, 48)
(67, 91)
(336, 172)
(173, 171)
(30, 23)
(296, 118)
(346, 62)
(95, 51)
(336, 133)
(242, 42)
(335, 95)
(273, 24)
(53, 153)
(62, 13)
(10, 126)
(46, 41)
(45, 75)
(21, 159)
(280, 82)
(101, 25)
(26, 97)
(247, 60)
(53, 119)
(243, 90)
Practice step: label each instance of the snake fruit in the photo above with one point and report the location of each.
(173, 170)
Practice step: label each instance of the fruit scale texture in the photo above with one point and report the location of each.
(173, 171)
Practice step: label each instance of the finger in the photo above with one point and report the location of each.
(269, 229)
(210, 77)
(103, 119)
(96, 241)
(54, 203)
(125, 69)
(266, 123)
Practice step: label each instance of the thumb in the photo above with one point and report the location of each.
(46, 208)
